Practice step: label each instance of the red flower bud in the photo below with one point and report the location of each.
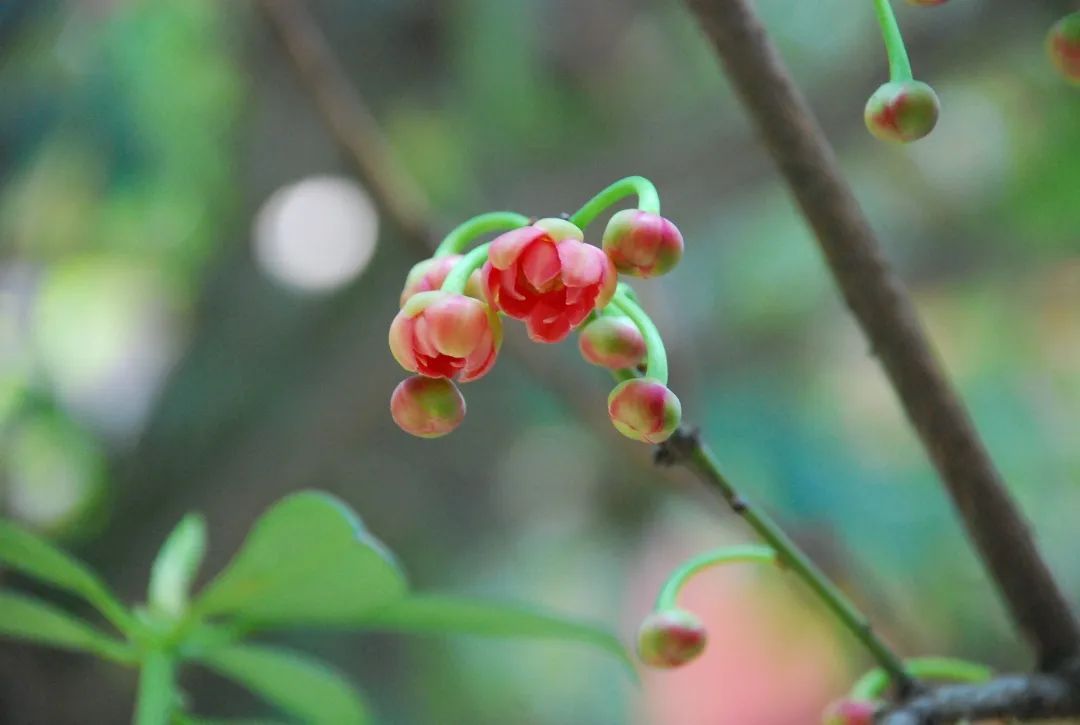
(444, 335)
(902, 112)
(644, 409)
(547, 276)
(642, 244)
(670, 638)
(849, 712)
(427, 407)
(612, 342)
(429, 275)
(1063, 44)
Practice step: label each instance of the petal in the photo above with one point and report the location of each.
(511, 300)
(508, 247)
(608, 282)
(582, 264)
(456, 324)
(540, 263)
(480, 361)
(401, 335)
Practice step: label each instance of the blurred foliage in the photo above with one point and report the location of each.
(139, 138)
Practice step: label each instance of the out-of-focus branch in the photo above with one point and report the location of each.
(1023, 697)
(349, 119)
(888, 318)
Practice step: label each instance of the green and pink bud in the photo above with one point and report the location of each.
(430, 274)
(612, 342)
(903, 111)
(1063, 45)
(427, 407)
(547, 276)
(445, 335)
(670, 638)
(644, 409)
(850, 712)
(642, 244)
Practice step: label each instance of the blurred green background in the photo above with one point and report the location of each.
(195, 292)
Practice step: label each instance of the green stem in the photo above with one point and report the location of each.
(899, 65)
(459, 275)
(656, 356)
(872, 685)
(157, 690)
(648, 199)
(702, 460)
(728, 555)
(459, 238)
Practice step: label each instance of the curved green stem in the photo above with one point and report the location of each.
(656, 356)
(871, 686)
(728, 555)
(700, 459)
(648, 199)
(899, 65)
(459, 275)
(459, 238)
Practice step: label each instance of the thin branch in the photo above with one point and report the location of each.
(1025, 697)
(350, 121)
(888, 318)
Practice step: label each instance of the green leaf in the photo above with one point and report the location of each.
(302, 687)
(176, 566)
(38, 558)
(308, 560)
(158, 697)
(439, 614)
(27, 618)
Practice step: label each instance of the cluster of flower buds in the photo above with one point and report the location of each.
(542, 272)
(1063, 45)
(903, 109)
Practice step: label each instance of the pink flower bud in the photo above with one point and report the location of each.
(1063, 44)
(444, 335)
(429, 275)
(644, 409)
(902, 112)
(642, 244)
(612, 342)
(670, 638)
(427, 407)
(547, 276)
(849, 712)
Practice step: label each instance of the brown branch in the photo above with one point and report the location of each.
(888, 318)
(1025, 697)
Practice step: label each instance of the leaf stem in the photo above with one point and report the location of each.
(458, 278)
(656, 365)
(648, 199)
(459, 238)
(157, 689)
(728, 555)
(899, 65)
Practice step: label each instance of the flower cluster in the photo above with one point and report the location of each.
(542, 272)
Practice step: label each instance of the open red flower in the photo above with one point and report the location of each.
(547, 276)
(445, 335)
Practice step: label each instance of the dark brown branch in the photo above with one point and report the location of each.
(348, 118)
(1024, 697)
(888, 318)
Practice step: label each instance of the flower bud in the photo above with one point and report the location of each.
(642, 244)
(427, 407)
(670, 638)
(612, 342)
(644, 409)
(445, 335)
(429, 275)
(902, 112)
(849, 712)
(1063, 44)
